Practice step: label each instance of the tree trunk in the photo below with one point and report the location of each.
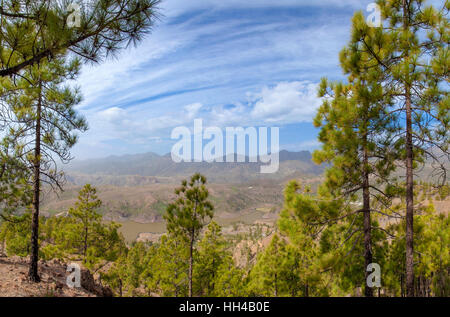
(3, 247)
(211, 286)
(85, 243)
(409, 200)
(368, 291)
(33, 269)
(409, 177)
(402, 292)
(191, 248)
(276, 285)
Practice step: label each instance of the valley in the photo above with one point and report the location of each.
(135, 189)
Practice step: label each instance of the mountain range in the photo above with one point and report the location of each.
(151, 168)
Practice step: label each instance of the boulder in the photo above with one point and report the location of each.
(88, 283)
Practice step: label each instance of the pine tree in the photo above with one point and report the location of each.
(57, 238)
(169, 267)
(211, 255)
(42, 121)
(15, 235)
(34, 31)
(410, 51)
(115, 277)
(15, 193)
(308, 270)
(86, 215)
(188, 214)
(356, 139)
(81, 234)
(277, 271)
(230, 281)
(431, 244)
(127, 272)
(135, 266)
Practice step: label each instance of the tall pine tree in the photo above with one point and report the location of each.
(42, 120)
(356, 139)
(410, 51)
(188, 214)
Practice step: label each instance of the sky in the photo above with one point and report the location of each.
(229, 62)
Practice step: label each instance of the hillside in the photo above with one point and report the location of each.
(14, 282)
(146, 204)
(138, 187)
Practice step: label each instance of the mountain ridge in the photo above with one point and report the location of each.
(150, 168)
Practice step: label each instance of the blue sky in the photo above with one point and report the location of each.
(230, 63)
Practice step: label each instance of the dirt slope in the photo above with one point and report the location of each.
(14, 282)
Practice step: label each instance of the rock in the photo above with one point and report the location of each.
(89, 284)
(55, 262)
(107, 292)
(59, 285)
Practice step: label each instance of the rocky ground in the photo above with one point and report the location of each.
(14, 282)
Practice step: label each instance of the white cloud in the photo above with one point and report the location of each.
(193, 109)
(113, 114)
(163, 122)
(287, 102)
(307, 145)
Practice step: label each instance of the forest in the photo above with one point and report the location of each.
(370, 228)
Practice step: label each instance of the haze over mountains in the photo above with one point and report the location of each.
(151, 168)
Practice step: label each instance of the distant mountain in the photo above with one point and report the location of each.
(295, 156)
(150, 168)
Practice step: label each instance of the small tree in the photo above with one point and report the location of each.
(188, 214)
(211, 255)
(86, 215)
(230, 281)
(127, 272)
(266, 276)
(167, 270)
(82, 234)
(303, 220)
(432, 245)
(15, 193)
(15, 235)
